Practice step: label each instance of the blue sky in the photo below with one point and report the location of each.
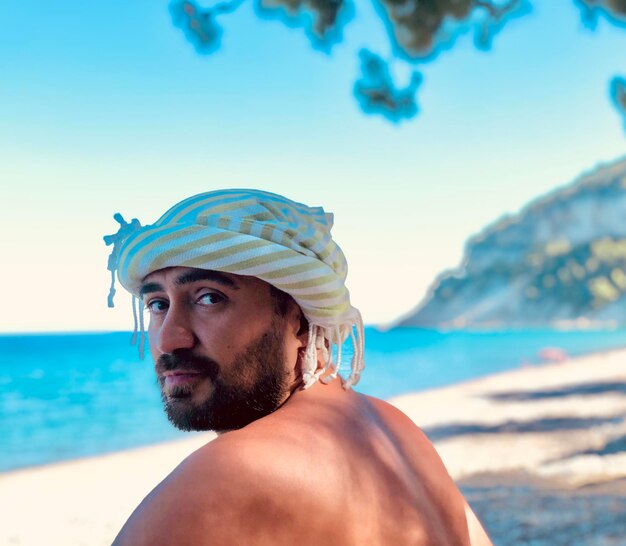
(106, 107)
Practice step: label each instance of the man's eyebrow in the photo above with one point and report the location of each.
(206, 275)
(150, 287)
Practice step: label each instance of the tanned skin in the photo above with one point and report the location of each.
(328, 467)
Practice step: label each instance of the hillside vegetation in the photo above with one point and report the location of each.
(560, 262)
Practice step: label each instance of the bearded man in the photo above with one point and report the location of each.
(248, 315)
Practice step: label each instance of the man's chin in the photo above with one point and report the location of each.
(185, 415)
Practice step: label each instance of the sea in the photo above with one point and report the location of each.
(66, 396)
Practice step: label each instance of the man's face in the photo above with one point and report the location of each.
(224, 356)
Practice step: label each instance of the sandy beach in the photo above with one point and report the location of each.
(560, 423)
(558, 427)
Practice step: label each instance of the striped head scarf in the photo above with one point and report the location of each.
(256, 233)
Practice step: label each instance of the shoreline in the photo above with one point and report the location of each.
(562, 424)
(543, 427)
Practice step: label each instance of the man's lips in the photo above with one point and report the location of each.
(180, 377)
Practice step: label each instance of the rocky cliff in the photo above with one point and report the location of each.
(561, 261)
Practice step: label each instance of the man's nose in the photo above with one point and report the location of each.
(175, 332)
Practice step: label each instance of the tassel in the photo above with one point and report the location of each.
(133, 339)
(310, 359)
(142, 330)
(117, 239)
(358, 344)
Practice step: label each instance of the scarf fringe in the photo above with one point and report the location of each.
(117, 240)
(139, 327)
(317, 340)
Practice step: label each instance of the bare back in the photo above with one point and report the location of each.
(329, 467)
(393, 485)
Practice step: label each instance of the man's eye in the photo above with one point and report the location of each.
(156, 306)
(210, 298)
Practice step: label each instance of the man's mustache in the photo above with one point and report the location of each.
(184, 359)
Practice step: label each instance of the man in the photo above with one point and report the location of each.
(247, 302)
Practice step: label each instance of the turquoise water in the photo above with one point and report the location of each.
(73, 395)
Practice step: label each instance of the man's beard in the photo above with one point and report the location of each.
(252, 386)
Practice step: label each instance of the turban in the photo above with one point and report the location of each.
(260, 234)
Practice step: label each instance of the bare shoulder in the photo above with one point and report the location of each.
(403, 428)
(238, 489)
(429, 469)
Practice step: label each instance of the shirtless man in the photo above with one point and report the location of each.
(246, 297)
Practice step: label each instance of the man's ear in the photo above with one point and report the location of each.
(303, 329)
(298, 324)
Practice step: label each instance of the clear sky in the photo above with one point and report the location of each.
(105, 107)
